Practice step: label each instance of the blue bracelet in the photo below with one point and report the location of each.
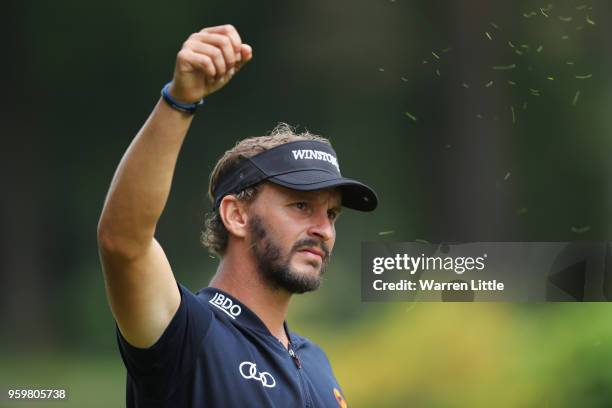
(183, 107)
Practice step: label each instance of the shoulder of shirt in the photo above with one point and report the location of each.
(193, 294)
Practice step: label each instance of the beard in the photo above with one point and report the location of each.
(275, 268)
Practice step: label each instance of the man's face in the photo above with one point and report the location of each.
(292, 234)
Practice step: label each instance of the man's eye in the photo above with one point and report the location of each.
(332, 215)
(300, 205)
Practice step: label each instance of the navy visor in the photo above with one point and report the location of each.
(303, 165)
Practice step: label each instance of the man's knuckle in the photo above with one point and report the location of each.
(208, 64)
(182, 55)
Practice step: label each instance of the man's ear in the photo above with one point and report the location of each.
(234, 215)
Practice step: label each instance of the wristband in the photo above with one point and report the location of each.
(183, 107)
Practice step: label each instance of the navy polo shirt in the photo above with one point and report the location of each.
(217, 353)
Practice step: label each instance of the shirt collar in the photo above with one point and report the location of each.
(238, 313)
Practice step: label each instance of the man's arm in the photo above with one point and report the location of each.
(140, 285)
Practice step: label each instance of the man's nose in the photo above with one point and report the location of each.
(322, 227)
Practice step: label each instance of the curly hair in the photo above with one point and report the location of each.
(215, 236)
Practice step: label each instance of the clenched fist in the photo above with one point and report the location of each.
(207, 61)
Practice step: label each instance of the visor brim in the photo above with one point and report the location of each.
(355, 195)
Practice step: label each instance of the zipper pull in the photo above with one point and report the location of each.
(295, 358)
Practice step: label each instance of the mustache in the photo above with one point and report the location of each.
(310, 242)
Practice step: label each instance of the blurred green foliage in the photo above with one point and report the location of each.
(424, 355)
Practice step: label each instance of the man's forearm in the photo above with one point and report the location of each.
(138, 193)
(141, 184)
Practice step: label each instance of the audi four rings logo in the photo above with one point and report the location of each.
(249, 371)
(226, 305)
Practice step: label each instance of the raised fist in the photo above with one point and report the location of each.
(207, 61)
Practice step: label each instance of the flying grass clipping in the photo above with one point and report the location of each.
(526, 57)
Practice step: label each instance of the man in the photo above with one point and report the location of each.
(276, 199)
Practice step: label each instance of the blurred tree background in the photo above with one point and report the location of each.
(473, 120)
